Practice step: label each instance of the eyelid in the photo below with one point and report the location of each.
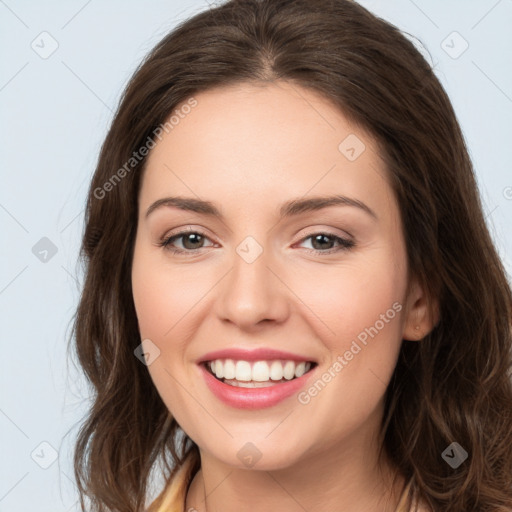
(318, 229)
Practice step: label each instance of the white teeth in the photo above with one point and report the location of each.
(229, 369)
(289, 370)
(300, 369)
(243, 371)
(258, 371)
(219, 367)
(252, 384)
(276, 370)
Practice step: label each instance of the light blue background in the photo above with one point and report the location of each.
(55, 115)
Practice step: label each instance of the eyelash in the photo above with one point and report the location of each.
(345, 244)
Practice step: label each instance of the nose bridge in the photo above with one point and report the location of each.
(252, 292)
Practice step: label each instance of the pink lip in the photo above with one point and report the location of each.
(253, 398)
(259, 354)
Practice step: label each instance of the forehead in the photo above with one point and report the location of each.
(270, 141)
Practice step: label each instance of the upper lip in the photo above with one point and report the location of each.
(258, 354)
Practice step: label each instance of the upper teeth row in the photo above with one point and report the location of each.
(259, 371)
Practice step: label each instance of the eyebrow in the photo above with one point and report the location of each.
(288, 209)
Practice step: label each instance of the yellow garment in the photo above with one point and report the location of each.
(173, 498)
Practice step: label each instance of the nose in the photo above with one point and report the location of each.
(253, 294)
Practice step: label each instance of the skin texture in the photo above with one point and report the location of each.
(248, 149)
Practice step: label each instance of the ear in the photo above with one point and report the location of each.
(419, 318)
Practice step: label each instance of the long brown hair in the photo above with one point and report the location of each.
(452, 386)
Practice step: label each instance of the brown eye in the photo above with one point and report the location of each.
(323, 243)
(191, 241)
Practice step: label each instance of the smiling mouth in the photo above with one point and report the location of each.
(259, 374)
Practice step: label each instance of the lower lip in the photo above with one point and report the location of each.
(253, 398)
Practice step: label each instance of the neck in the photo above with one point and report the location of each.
(346, 476)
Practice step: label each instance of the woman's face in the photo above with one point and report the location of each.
(324, 282)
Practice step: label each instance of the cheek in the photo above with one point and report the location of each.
(163, 295)
(360, 306)
(354, 297)
(162, 299)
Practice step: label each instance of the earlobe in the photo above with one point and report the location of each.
(419, 319)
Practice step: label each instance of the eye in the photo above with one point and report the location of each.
(191, 241)
(322, 241)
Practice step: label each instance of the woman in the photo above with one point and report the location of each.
(292, 300)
